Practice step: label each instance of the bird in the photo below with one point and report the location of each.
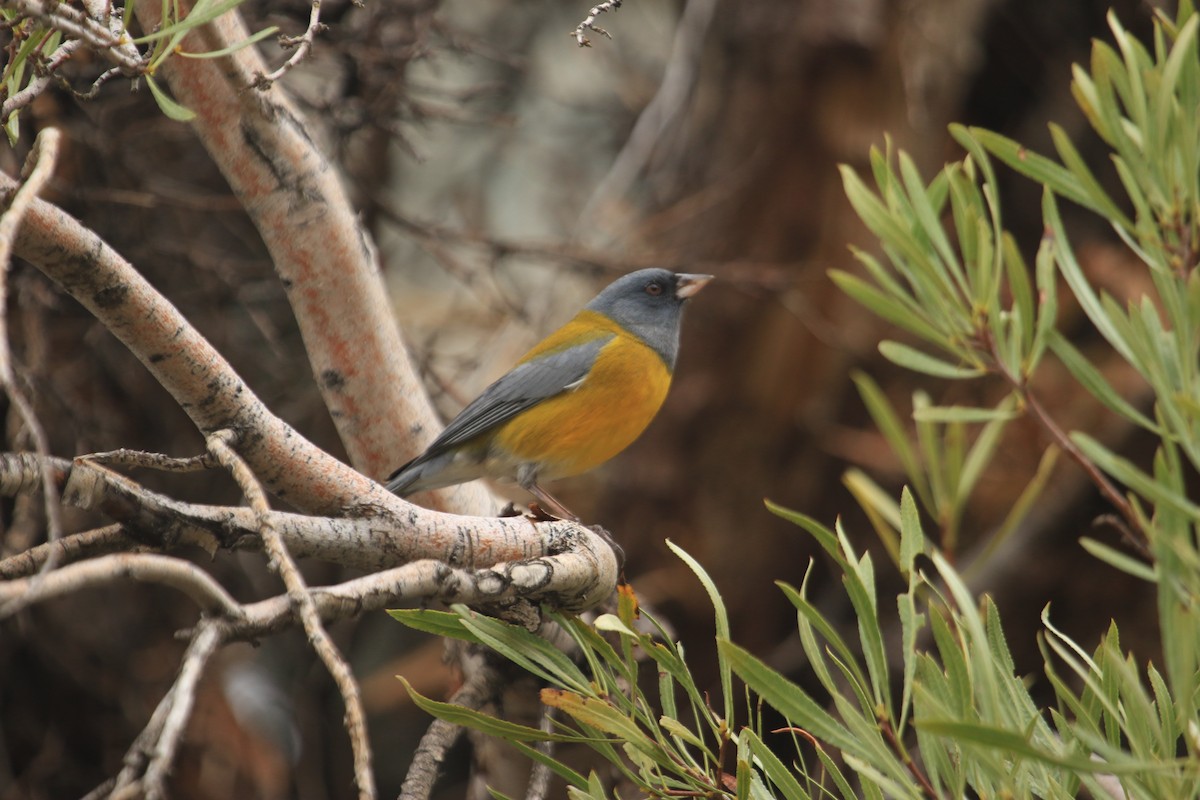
(575, 400)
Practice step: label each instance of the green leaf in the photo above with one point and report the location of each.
(1004, 411)
(1091, 379)
(889, 424)
(810, 619)
(1115, 558)
(981, 452)
(168, 106)
(606, 718)
(1102, 203)
(233, 48)
(439, 623)
(477, 720)
(880, 508)
(911, 624)
(203, 12)
(529, 651)
(912, 538)
(1016, 744)
(918, 361)
(1037, 168)
(1080, 285)
(782, 777)
(1123, 470)
(822, 534)
(887, 307)
(722, 625)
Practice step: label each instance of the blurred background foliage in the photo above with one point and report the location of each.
(506, 174)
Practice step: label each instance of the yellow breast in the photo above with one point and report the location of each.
(583, 427)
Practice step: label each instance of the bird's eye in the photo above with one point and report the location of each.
(654, 289)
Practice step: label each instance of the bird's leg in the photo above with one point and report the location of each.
(549, 503)
(527, 478)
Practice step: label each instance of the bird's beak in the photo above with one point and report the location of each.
(687, 285)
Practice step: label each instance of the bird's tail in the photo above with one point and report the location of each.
(421, 474)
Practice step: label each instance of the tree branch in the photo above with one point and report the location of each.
(324, 258)
(163, 570)
(304, 608)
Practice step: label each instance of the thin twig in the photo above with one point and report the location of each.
(39, 84)
(302, 44)
(219, 444)
(1105, 486)
(204, 643)
(163, 570)
(1021, 385)
(39, 166)
(88, 544)
(124, 457)
(589, 23)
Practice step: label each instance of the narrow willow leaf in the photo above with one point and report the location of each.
(722, 625)
(887, 307)
(203, 12)
(825, 537)
(893, 231)
(1017, 272)
(439, 623)
(881, 510)
(477, 720)
(779, 774)
(1037, 168)
(606, 718)
(1073, 161)
(1123, 470)
(888, 422)
(918, 361)
(1004, 411)
(1091, 379)
(684, 733)
(1047, 311)
(912, 538)
(1079, 283)
(810, 617)
(168, 106)
(1115, 558)
(233, 48)
(1016, 744)
(527, 650)
(911, 624)
(944, 259)
(981, 452)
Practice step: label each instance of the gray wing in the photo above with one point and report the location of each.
(525, 386)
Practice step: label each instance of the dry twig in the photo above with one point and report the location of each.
(39, 166)
(589, 22)
(302, 602)
(302, 45)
